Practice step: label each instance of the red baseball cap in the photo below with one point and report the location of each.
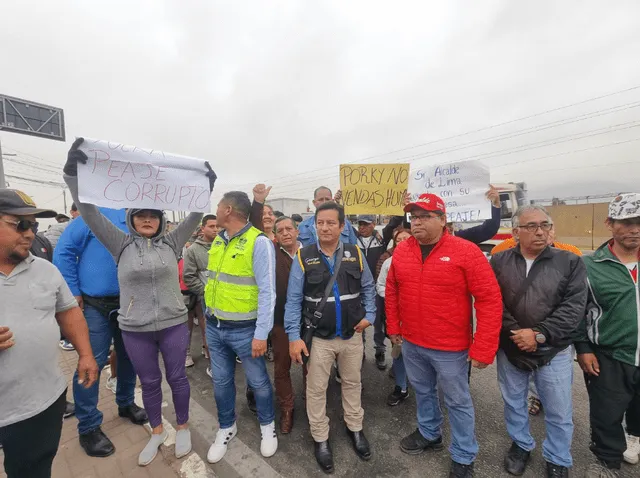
(428, 202)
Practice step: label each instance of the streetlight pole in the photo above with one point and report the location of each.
(3, 184)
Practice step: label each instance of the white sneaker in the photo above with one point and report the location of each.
(112, 384)
(189, 361)
(269, 443)
(633, 450)
(219, 447)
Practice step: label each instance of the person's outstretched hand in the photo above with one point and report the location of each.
(211, 175)
(74, 156)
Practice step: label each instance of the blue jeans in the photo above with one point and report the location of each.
(224, 344)
(428, 368)
(400, 372)
(553, 383)
(101, 332)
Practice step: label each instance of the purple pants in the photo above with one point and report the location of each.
(143, 348)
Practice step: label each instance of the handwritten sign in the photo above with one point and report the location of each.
(374, 188)
(461, 185)
(121, 176)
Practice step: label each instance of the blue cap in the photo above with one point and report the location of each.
(368, 218)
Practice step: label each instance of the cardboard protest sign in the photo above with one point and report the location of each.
(461, 185)
(374, 188)
(121, 176)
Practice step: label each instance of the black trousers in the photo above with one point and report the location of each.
(31, 445)
(610, 395)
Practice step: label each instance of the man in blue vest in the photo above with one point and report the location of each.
(91, 274)
(339, 327)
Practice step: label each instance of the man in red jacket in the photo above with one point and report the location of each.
(429, 290)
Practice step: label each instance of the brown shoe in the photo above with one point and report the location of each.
(286, 421)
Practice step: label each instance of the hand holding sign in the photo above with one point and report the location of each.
(74, 156)
(116, 175)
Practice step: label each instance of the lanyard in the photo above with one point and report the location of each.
(336, 295)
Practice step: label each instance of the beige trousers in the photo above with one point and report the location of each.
(349, 356)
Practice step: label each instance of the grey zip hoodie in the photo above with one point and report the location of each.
(150, 296)
(196, 261)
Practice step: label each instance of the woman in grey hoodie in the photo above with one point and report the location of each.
(152, 314)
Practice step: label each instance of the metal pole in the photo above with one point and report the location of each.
(64, 195)
(3, 184)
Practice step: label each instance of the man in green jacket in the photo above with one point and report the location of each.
(608, 341)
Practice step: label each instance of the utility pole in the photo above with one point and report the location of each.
(64, 196)
(3, 184)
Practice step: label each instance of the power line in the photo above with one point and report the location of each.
(504, 136)
(36, 181)
(478, 130)
(517, 149)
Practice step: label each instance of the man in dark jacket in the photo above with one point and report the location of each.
(544, 291)
(287, 246)
(372, 245)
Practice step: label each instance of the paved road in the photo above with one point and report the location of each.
(384, 426)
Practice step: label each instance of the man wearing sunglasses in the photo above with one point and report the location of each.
(544, 291)
(36, 305)
(608, 340)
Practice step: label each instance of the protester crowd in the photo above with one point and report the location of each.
(125, 288)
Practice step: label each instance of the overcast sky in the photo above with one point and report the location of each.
(282, 92)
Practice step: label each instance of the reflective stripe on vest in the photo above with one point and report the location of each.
(332, 298)
(231, 292)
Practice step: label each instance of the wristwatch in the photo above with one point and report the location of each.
(540, 337)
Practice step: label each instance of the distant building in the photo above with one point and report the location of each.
(289, 206)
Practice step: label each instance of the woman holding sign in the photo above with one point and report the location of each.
(152, 314)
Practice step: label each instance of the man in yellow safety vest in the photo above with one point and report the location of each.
(240, 298)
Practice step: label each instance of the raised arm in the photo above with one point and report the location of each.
(181, 234)
(105, 231)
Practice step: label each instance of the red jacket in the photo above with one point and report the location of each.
(429, 303)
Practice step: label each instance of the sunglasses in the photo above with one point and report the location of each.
(24, 225)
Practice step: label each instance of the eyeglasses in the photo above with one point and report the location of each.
(533, 227)
(422, 217)
(24, 225)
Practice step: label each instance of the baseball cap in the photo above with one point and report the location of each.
(155, 212)
(428, 202)
(18, 203)
(625, 206)
(366, 218)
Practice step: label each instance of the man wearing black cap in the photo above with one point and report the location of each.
(36, 305)
(373, 246)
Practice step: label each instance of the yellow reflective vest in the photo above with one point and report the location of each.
(231, 292)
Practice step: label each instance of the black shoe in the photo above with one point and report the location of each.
(397, 396)
(69, 410)
(459, 470)
(95, 443)
(251, 401)
(360, 444)
(324, 456)
(381, 361)
(557, 471)
(516, 460)
(134, 413)
(415, 443)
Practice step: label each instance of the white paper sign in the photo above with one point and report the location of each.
(462, 186)
(121, 176)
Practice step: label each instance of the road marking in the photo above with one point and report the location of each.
(194, 467)
(243, 459)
